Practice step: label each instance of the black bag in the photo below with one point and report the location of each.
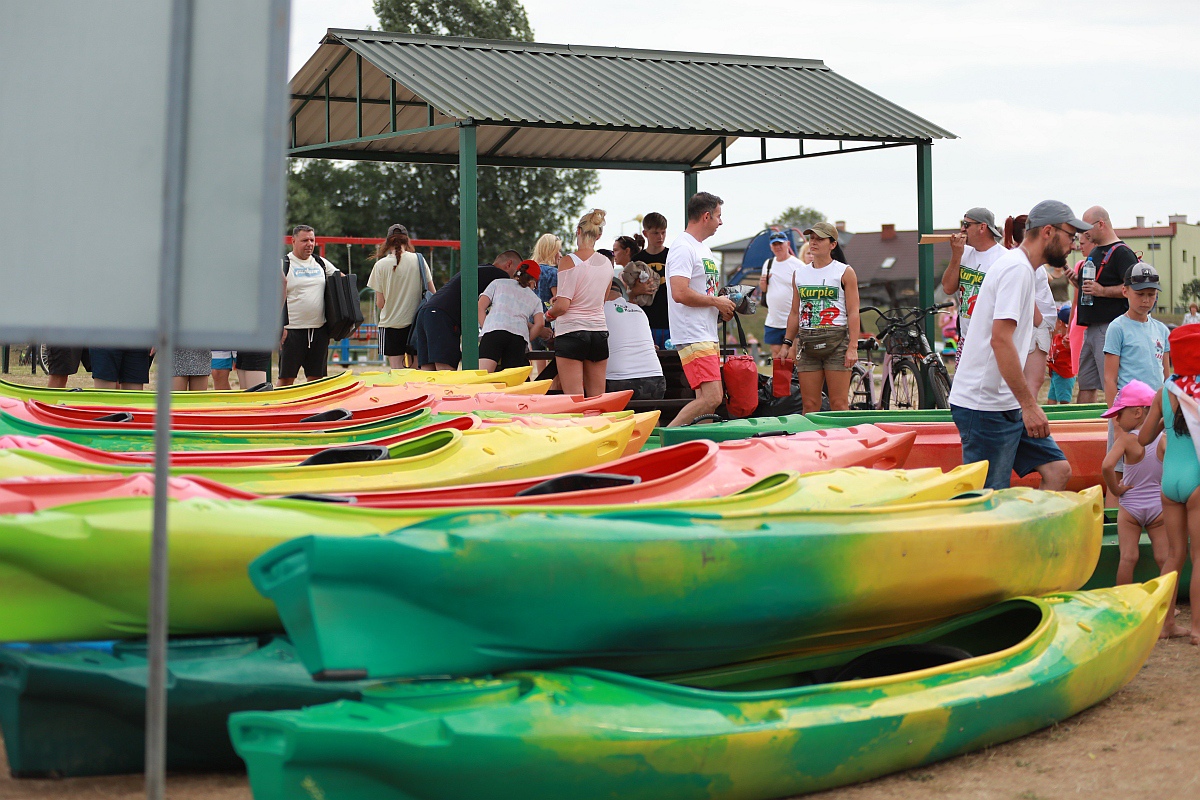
(343, 312)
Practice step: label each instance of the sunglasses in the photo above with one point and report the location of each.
(1142, 278)
(966, 223)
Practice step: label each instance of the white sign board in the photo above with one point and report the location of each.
(83, 96)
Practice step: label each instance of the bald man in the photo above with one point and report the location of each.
(1113, 259)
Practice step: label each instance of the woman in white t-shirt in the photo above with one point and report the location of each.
(775, 285)
(510, 314)
(398, 278)
(580, 331)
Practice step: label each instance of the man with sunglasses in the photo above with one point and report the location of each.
(1113, 260)
(973, 250)
(997, 416)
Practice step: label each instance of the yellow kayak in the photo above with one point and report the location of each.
(131, 397)
(509, 377)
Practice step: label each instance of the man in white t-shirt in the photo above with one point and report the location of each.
(998, 418)
(775, 285)
(973, 250)
(693, 306)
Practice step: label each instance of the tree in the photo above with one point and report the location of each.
(483, 19)
(1190, 290)
(798, 217)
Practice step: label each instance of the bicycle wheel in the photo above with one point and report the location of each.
(860, 388)
(939, 386)
(906, 390)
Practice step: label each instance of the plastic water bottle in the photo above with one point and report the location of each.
(668, 345)
(1088, 274)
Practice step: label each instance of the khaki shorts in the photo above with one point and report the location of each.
(822, 349)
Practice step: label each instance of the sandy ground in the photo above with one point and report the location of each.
(1144, 742)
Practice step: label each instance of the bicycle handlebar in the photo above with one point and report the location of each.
(905, 316)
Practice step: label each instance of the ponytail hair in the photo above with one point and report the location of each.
(634, 244)
(591, 225)
(1014, 230)
(396, 242)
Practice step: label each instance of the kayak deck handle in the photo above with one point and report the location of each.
(265, 386)
(765, 434)
(350, 454)
(119, 416)
(340, 675)
(322, 498)
(332, 415)
(579, 481)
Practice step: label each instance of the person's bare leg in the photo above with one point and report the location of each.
(570, 373)
(1157, 531)
(249, 378)
(1176, 517)
(179, 383)
(776, 349)
(839, 390)
(440, 367)
(487, 365)
(99, 384)
(1055, 475)
(396, 362)
(811, 384)
(594, 373)
(1193, 534)
(708, 398)
(134, 387)
(1129, 535)
(57, 382)
(221, 379)
(1035, 370)
(1087, 396)
(198, 383)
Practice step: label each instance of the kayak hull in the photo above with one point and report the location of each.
(587, 734)
(655, 592)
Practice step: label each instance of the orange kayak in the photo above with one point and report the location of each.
(534, 404)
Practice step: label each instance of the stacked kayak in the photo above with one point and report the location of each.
(754, 731)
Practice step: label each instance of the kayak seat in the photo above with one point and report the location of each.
(322, 498)
(265, 386)
(971, 495)
(899, 659)
(350, 454)
(332, 415)
(119, 416)
(765, 434)
(577, 482)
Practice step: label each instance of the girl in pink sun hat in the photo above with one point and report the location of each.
(1175, 413)
(1139, 490)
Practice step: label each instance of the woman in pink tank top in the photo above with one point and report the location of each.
(580, 330)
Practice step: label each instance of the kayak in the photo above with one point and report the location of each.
(749, 732)
(735, 429)
(691, 471)
(509, 377)
(1083, 442)
(188, 441)
(80, 571)
(134, 397)
(81, 710)
(657, 592)
(443, 458)
(534, 404)
(1090, 411)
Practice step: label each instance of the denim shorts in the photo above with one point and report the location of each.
(772, 335)
(999, 438)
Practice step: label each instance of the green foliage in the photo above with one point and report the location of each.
(798, 217)
(1190, 290)
(363, 198)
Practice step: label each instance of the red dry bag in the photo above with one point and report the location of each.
(740, 374)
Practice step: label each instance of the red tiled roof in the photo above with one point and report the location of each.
(1146, 233)
(867, 252)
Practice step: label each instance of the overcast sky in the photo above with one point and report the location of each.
(1086, 101)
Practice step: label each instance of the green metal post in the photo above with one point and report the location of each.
(468, 235)
(690, 184)
(925, 225)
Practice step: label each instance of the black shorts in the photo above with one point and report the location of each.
(254, 361)
(121, 366)
(506, 348)
(394, 341)
(306, 348)
(652, 388)
(436, 338)
(66, 360)
(582, 345)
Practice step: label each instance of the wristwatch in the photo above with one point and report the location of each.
(787, 342)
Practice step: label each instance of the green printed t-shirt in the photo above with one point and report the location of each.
(971, 271)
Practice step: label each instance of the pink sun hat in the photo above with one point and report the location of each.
(1133, 394)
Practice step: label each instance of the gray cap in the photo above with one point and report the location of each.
(981, 214)
(1053, 212)
(1142, 276)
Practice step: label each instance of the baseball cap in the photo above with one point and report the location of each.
(1064, 314)
(531, 268)
(1132, 395)
(981, 214)
(1142, 276)
(397, 228)
(778, 236)
(824, 230)
(1053, 212)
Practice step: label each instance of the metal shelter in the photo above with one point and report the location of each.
(369, 95)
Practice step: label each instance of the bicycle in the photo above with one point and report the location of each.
(913, 374)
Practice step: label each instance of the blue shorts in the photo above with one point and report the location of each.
(772, 335)
(222, 359)
(436, 338)
(1061, 389)
(999, 437)
(660, 336)
(121, 366)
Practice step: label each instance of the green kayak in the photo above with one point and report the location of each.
(127, 441)
(748, 732)
(845, 419)
(652, 592)
(735, 429)
(79, 572)
(81, 711)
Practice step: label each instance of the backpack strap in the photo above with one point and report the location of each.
(287, 266)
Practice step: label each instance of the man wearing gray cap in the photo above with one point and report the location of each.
(973, 250)
(997, 416)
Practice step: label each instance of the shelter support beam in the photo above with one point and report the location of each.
(468, 235)
(690, 187)
(925, 225)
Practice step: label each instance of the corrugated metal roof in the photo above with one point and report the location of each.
(546, 101)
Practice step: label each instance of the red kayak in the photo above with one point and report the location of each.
(533, 403)
(283, 456)
(696, 469)
(258, 419)
(1083, 442)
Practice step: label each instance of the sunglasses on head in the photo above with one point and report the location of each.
(1142, 278)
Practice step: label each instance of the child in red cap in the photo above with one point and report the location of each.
(1175, 411)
